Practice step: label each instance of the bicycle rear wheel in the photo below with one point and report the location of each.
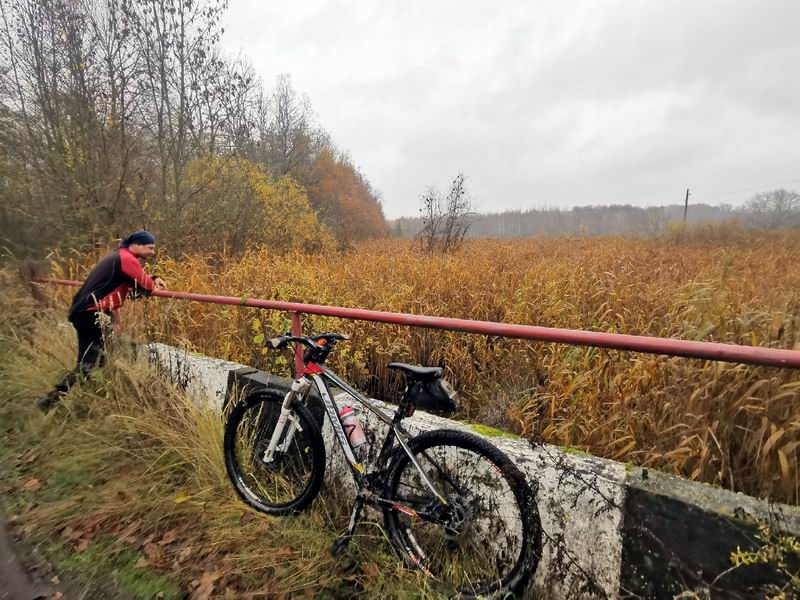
(487, 538)
(292, 478)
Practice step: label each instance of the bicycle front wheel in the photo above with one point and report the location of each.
(290, 479)
(486, 537)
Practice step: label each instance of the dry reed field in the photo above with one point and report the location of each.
(730, 425)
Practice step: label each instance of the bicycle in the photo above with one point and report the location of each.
(454, 506)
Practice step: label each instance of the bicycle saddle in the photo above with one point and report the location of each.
(417, 373)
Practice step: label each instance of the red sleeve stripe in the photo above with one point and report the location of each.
(132, 268)
(113, 300)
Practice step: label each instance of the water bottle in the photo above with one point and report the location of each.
(352, 427)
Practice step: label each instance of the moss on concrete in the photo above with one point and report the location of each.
(574, 451)
(491, 431)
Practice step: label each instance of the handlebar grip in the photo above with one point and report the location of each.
(276, 343)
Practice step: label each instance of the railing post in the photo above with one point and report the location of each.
(297, 330)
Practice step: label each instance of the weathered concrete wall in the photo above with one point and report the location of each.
(204, 379)
(610, 530)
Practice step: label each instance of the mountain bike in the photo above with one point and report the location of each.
(454, 506)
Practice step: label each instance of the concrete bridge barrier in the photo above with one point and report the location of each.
(610, 530)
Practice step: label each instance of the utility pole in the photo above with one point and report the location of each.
(686, 205)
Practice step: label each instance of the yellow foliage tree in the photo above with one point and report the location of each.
(291, 222)
(236, 205)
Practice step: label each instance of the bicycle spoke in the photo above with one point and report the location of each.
(276, 484)
(475, 540)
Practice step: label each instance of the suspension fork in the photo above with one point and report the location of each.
(297, 390)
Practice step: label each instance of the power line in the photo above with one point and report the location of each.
(752, 189)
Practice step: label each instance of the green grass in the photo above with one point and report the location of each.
(106, 563)
(63, 482)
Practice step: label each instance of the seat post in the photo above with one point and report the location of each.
(402, 406)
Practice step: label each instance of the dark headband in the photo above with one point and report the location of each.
(138, 237)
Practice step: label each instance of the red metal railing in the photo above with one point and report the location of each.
(752, 355)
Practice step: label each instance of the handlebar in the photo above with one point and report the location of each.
(281, 342)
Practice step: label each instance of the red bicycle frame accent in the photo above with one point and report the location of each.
(310, 369)
(752, 355)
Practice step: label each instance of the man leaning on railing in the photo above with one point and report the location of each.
(116, 276)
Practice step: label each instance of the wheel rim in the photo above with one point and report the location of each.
(282, 481)
(479, 537)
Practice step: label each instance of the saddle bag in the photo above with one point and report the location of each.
(436, 396)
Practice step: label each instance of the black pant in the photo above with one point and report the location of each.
(90, 349)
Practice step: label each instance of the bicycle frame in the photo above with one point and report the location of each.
(408, 476)
(323, 378)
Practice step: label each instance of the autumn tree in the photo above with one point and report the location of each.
(344, 199)
(290, 142)
(238, 206)
(108, 106)
(289, 138)
(66, 144)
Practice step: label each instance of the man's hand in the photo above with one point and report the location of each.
(159, 283)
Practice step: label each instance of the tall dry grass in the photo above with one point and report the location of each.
(730, 425)
(127, 466)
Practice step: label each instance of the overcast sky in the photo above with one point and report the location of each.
(544, 103)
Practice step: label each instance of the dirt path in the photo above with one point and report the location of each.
(15, 583)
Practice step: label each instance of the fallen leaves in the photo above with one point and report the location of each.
(204, 587)
(32, 485)
(168, 538)
(185, 553)
(26, 458)
(80, 535)
(70, 534)
(153, 555)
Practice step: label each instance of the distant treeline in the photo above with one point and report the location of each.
(121, 114)
(589, 221)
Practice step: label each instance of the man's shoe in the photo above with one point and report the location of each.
(46, 403)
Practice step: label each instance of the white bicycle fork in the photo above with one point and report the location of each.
(298, 389)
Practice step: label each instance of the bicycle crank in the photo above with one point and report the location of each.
(343, 540)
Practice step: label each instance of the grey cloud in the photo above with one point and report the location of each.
(546, 102)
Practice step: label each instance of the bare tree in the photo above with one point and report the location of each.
(774, 210)
(291, 130)
(446, 221)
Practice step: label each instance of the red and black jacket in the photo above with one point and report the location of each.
(116, 275)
